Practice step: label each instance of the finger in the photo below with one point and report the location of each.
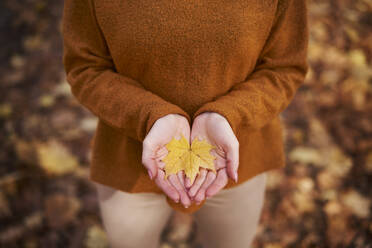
(166, 186)
(188, 183)
(232, 162)
(198, 182)
(160, 164)
(181, 178)
(218, 184)
(162, 154)
(210, 178)
(220, 161)
(174, 181)
(148, 160)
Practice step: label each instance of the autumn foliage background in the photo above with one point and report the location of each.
(322, 198)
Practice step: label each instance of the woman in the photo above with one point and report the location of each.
(150, 70)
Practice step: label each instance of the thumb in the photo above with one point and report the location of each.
(232, 162)
(149, 162)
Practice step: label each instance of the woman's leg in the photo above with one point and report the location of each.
(132, 220)
(230, 218)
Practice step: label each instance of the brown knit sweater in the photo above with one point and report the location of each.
(132, 62)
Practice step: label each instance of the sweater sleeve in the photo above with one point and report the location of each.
(119, 101)
(280, 70)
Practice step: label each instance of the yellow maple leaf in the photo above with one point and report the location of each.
(182, 156)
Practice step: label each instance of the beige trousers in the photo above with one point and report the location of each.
(228, 219)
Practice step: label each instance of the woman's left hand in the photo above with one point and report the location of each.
(215, 129)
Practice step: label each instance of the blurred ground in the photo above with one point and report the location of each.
(321, 199)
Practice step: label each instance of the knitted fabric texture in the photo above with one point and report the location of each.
(132, 62)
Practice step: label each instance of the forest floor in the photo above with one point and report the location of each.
(322, 198)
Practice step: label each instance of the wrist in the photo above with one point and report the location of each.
(215, 116)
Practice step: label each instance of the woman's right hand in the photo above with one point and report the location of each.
(154, 150)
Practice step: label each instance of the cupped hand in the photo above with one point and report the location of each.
(215, 129)
(154, 150)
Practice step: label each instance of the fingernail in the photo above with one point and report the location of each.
(207, 197)
(197, 203)
(236, 177)
(150, 174)
(186, 206)
(176, 201)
